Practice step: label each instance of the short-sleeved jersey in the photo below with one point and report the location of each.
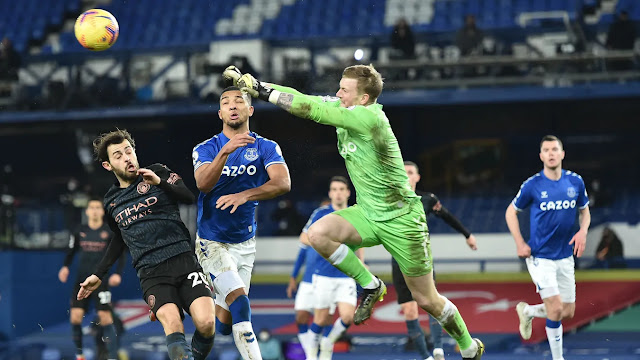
(91, 244)
(554, 206)
(246, 168)
(370, 150)
(148, 219)
(316, 264)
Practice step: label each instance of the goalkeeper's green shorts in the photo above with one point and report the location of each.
(406, 237)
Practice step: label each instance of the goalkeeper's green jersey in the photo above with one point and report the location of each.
(370, 150)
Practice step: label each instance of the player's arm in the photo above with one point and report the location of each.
(297, 266)
(455, 223)
(279, 183)
(169, 181)
(356, 118)
(114, 250)
(74, 245)
(579, 240)
(207, 174)
(511, 217)
(116, 278)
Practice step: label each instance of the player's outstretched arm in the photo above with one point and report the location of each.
(114, 250)
(357, 119)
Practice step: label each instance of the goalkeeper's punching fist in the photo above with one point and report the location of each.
(247, 83)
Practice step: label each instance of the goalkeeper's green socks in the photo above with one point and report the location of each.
(454, 325)
(349, 263)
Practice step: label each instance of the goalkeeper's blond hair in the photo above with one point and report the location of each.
(369, 80)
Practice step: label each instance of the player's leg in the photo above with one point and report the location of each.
(321, 318)
(544, 273)
(436, 333)
(102, 303)
(230, 266)
(197, 300)
(202, 312)
(330, 236)
(76, 314)
(161, 294)
(304, 308)
(407, 239)
(409, 309)
(346, 298)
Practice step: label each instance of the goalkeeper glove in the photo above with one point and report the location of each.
(255, 88)
(232, 73)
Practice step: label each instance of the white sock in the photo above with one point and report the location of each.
(373, 284)
(555, 342)
(538, 311)
(326, 348)
(246, 341)
(337, 331)
(471, 351)
(314, 344)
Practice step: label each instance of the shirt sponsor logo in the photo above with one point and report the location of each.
(251, 154)
(557, 205)
(348, 148)
(238, 170)
(135, 212)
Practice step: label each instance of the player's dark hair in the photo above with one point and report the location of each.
(411, 163)
(103, 141)
(95, 198)
(341, 179)
(551, 138)
(246, 96)
(369, 80)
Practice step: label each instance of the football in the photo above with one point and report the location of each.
(96, 29)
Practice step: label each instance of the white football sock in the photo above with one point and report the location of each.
(555, 342)
(246, 340)
(538, 311)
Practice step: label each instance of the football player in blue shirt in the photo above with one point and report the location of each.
(555, 196)
(303, 304)
(234, 170)
(331, 287)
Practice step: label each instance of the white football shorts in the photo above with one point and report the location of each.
(218, 258)
(330, 291)
(553, 277)
(304, 297)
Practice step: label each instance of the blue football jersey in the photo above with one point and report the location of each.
(554, 208)
(315, 262)
(246, 168)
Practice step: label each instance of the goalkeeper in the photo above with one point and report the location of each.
(387, 212)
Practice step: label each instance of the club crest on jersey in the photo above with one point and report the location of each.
(251, 154)
(143, 188)
(151, 301)
(104, 235)
(571, 192)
